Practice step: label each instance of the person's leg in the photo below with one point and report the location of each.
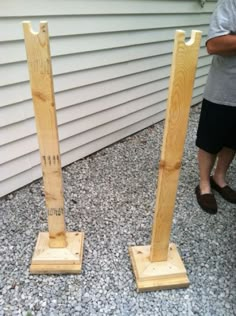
(206, 162)
(225, 157)
(210, 142)
(217, 181)
(205, 198)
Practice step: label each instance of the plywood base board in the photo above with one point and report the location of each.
(151, 276)
(58, 260)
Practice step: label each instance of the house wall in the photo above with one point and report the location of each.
(111, 64)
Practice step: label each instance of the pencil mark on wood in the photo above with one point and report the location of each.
(56, 211)
(44, 160)
(51, 160)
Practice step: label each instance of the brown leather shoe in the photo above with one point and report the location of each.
(206, 201)
(226, 192)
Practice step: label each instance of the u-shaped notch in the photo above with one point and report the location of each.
(43, 28)
(195, 37)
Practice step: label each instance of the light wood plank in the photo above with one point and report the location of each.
(184, 64)
(40, 72)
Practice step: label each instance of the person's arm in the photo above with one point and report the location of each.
(222, 45)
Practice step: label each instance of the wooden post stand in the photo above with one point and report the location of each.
(159, 266)
(57, 251)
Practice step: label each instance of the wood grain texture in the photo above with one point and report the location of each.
(40, 72)
(184, 64)
(151, 276)
(48, 260)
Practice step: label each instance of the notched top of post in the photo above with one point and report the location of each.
(194, 39)
(43, 27)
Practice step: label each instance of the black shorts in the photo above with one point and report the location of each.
(217, 127)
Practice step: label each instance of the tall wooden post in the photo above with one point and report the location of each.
(159, 265)
(56, 247)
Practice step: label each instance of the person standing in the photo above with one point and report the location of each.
(216, 135)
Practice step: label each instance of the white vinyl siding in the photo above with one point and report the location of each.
(111, 64)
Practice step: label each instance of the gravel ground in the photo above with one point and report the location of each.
(110, 196)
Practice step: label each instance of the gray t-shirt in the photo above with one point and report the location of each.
(221, 82)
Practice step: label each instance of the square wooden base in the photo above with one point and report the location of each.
(58, 260)
(152, 276)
